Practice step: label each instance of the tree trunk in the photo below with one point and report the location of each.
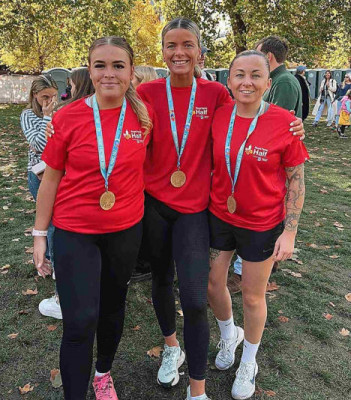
(238, 27)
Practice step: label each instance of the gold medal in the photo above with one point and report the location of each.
(231, 204)
(107, 200)
(178, 178)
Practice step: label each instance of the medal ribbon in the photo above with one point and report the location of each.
(173, 120)
(242, 147)
(100, 140)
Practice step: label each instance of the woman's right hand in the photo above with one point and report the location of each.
(41, 263)
(49, 131)
(48, 107)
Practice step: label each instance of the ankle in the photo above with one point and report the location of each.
(171, 341)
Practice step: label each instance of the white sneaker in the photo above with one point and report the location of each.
(203, 397)
(244, 383)
(50, 307)
(226, 355)
(172, 358)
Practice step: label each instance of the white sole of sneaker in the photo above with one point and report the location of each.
(176, 379)
(248, 395)
(240, 339)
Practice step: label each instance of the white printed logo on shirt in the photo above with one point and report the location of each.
(134, 135)
(201, 112)
(259, 153)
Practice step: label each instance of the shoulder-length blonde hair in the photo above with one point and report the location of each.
(131, 95)
(145, 73)
(39, 83)
(189, 25)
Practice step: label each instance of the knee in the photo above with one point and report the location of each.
(195, 309)
(252, 300)
(81, 327)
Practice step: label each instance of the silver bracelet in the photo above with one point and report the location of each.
(39, 233)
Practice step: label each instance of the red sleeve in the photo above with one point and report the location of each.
(55, 152)
(295, 153)
(223, 97)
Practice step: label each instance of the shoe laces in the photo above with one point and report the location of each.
(224, 348)
(103, 386)
(245, 372)
(169, 356)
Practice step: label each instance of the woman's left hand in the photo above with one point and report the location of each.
(284, 246)
(297, 127)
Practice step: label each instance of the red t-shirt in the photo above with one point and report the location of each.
(73, 148)
(196, 162)
(261, 185)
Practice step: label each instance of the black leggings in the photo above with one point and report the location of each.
(92, 272)
(184, 238)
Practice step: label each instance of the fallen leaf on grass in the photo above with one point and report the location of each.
(296, 274)
(338, 225)
(30, 292)
(29, 250)
(272, 286)
(332, 304)
(312, 245)
(5, 208)
(270, 393)
(323, 191)
(180, 312)
(283, 319)
(12, 335)
(327, 316)
(154, 352)
(23, 312)
(334, 256)
(5, 272)
(280, 311)
(26, 388)
(313, 212)
(136, 328)
(317, 224)
(344, 332)
(348, 296)
(55, 378)
(52, 328)
(7, 266)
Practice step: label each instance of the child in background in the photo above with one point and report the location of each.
(344, 118)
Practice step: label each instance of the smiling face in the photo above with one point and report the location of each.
(327, 75)
(45, 95)
(249, 79)
(111, 72)
(181, 51)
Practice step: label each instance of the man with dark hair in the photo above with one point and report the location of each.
(304, 84)
(285, 90)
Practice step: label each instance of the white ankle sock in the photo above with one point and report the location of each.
(100, 374)
(227, 328)
(202, 397)
(249, 351)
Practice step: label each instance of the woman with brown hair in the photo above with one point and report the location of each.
(97, 204)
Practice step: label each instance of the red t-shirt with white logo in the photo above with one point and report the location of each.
(73, 148)
(196, 161)
(261, 186)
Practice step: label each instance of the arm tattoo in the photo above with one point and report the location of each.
(295, 196)
(214, 253)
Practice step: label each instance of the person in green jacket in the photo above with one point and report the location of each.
(285, 90)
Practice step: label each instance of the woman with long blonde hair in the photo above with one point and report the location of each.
(93, 187)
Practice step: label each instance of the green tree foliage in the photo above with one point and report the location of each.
(36, 35)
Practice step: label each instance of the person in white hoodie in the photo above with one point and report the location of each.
(325, 103)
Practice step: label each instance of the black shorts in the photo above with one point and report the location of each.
(250, 245)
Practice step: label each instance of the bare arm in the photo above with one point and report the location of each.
(284, 246)
(45, 204)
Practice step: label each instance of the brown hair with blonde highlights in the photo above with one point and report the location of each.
(39, 83)
(131, 95)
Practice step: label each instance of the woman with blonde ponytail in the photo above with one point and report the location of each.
(93, 188)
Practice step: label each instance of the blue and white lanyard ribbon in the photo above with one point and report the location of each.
(100, 140)
(173, 120)
(242, 147)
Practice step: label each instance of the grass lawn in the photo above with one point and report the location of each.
(303, 356)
